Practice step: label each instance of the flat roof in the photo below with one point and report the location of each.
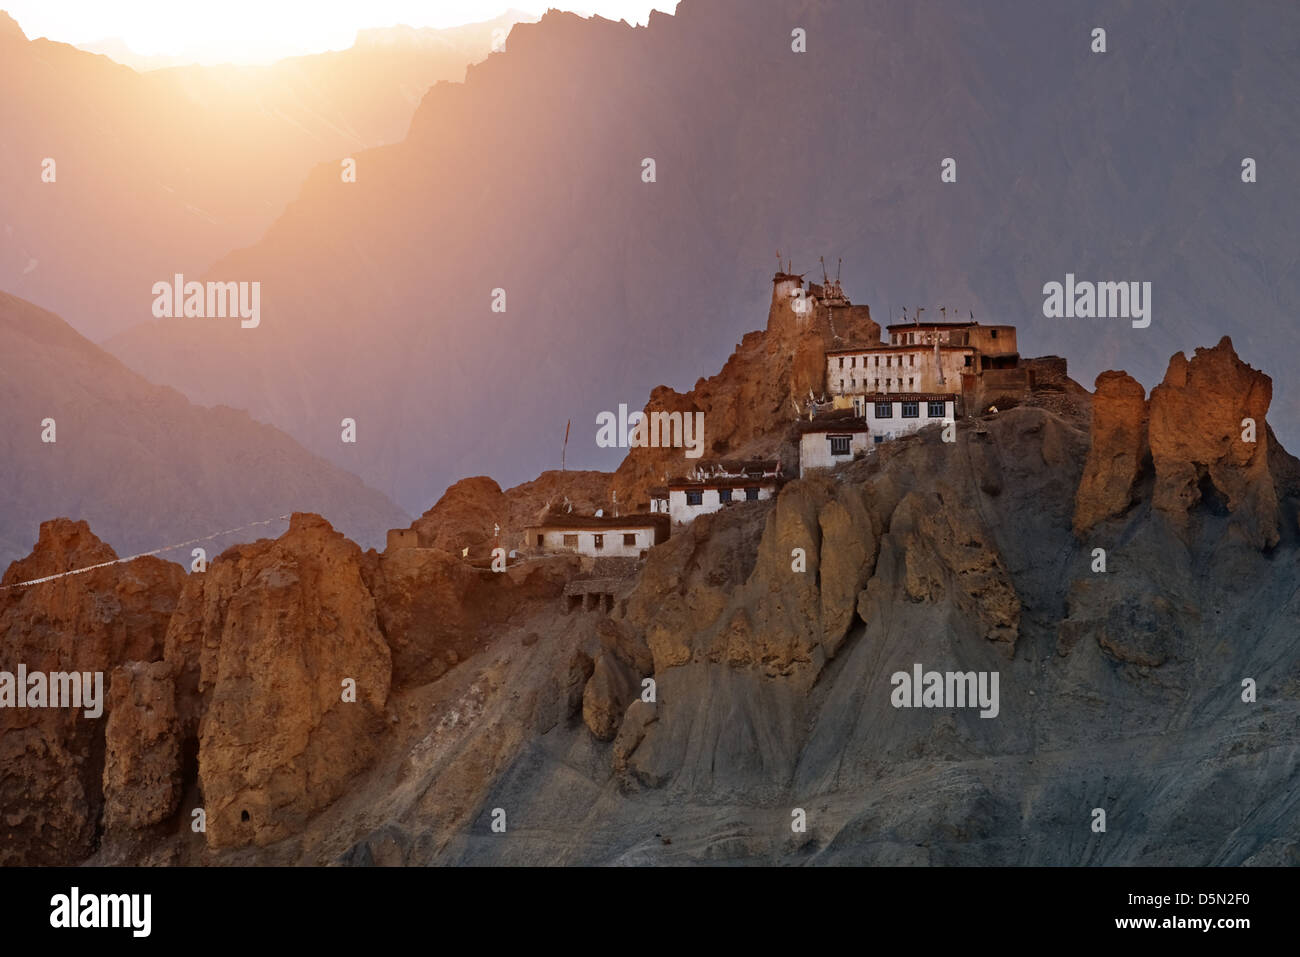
(723, 482)
(907, 396)
(923, 346)
(949, 325)
(741, 465)
(834, 420)
(598, 522)
(848, 428)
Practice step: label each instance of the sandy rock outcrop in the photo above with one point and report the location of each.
(850, 539)
(281, 644)
(142, 762)
(476, 514)
(436, 610)
(52, 759)
(1198, 436)
(464, 517)
(949, 556)
(1119, 449)
(420, 597)
(609, 691)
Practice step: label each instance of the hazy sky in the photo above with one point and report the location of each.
(260, 30)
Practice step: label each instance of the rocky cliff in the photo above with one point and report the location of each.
(1145, 659)
(52, 759)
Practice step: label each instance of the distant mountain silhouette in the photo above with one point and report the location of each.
(148, 467)
(166, 171)
(1123, 166)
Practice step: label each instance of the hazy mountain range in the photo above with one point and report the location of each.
(143, 463)
(528, 178)
(166, 171)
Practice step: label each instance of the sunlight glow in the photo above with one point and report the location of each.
(259, 31)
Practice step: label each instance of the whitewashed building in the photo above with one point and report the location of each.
(838, 436)
(715, 485)
(828, 440)
(892, 416)
(627, 536)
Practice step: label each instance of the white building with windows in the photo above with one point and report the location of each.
(839, 436)
(714, 485)
(892, 416)
(924, 357)
(828, 440)
(688, 499)
(628, 536)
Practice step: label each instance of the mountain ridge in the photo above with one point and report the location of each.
(654, 279)
(179, 471)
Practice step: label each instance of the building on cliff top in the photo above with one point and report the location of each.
(714, 485)
(596, 536)
(827, 440)
(841, 435)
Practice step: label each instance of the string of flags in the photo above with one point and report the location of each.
(130, 558)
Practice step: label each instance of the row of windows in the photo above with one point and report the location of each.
(889, 361)
(889, 384)
(571, 541)
(696, 496)
(911, 410)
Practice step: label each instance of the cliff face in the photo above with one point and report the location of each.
(1118, 450)
(280, 641)
(256, 690)
(52, 759)
(749, 672)
(1203, 435)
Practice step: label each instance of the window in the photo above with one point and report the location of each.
(841, 385)
(877, 362)
(968, 361)
(889, 361)
(911, 410)
(724, 495)
(935, 410)
(841, 362)
(853, 361)
(884, 410)
(993, 333)
(600, 541)
(695, 497)
(877, 439)
(629, 538)
(570, 541)
(911, 360)
(853, 383)
(541, 540)
(910, 382)
(857, 404)
(751, 495)
(839, 444)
